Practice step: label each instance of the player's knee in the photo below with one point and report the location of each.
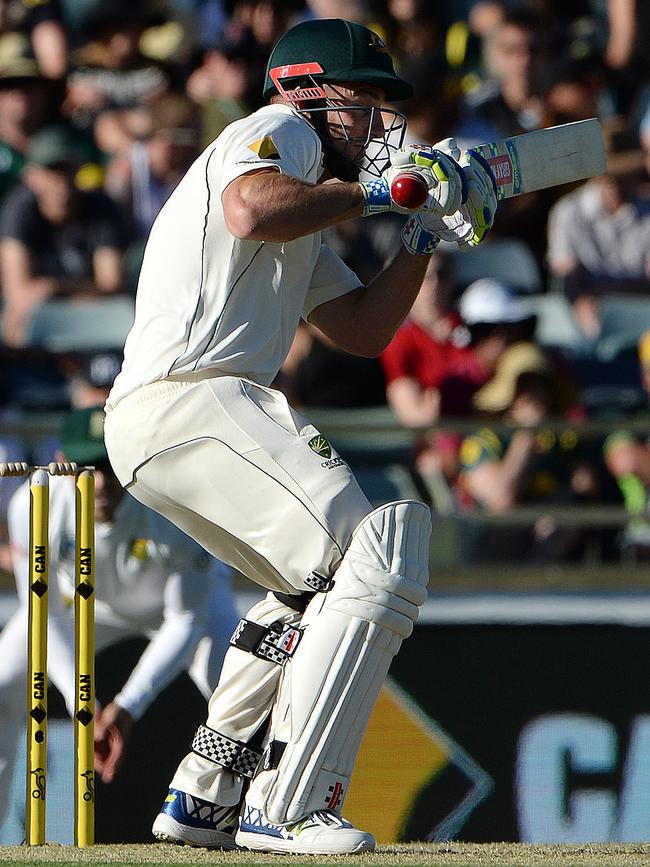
(384, 574)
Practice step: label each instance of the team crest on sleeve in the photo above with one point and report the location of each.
(320, 445)
(265, 148)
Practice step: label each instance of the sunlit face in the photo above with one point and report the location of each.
(54, 188)
(23, 103)
(514, 52)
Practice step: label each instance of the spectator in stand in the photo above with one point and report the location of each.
(43, 25)
(599, 236)
(142, 177)
(353, 10)
(425, 347)
(113, 82)
(316, 373)
(495, 320)
(626, 54)
(225, 84)
(509, 102)
(152, 581)
(267, 20)
(206, 17)
(55, 239)
(24, 94)
(233, 68)
(465, 40)
(570, 97)
(90, 376)
(627, 456)
(87, 379)
(531, 465)
(412, 28)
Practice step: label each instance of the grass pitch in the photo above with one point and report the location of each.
(403, 855)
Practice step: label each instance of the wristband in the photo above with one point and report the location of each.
(376, 194)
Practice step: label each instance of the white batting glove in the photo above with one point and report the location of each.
(481, 205)
(417, 238)
(470, 225)
(450, 147)
(443, 176)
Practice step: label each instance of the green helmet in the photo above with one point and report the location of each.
(344, 51)
(333, 50)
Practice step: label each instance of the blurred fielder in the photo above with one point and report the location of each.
(234, 260)
(152, 580)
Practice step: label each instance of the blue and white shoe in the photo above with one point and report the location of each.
(319, 833)
(190, 821)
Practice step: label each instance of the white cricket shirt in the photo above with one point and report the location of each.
(206, 299)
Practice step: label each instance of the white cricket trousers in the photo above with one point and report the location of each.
(234, 466)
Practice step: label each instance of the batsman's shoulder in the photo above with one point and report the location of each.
(274, 117)
(275, 136)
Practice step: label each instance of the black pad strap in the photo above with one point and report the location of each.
(296, 603)
(272, 755)
(275, 643)
(225, 751)
(318, 582)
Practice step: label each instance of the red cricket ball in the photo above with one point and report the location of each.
(409, 190)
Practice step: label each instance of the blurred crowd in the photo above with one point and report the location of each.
(104, 104)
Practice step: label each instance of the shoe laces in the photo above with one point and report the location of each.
(319, 818)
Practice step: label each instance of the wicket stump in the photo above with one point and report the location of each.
(84, 598)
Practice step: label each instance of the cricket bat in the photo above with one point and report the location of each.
(546, 157)
(531, 161)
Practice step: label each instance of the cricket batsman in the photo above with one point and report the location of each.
(194, 430)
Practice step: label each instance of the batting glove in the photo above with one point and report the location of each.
(470, 225)
(417, 239)
(443, 176)
(481, 205)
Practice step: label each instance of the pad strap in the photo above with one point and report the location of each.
(276, 642)
(225, 751)
(318, 582)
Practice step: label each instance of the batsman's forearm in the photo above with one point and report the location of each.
(384, 303)
(272, 207)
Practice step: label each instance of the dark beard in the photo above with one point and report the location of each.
(339, 166)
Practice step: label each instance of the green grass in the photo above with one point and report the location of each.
(411, 855)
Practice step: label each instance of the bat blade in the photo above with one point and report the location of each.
(546, 157)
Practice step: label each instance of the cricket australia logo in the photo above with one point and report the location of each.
(322, 448)
(320, 445)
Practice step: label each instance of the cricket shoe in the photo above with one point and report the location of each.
(319, 833)
(190, 821)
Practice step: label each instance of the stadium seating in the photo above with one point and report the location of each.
(63, 325)
(507, 259)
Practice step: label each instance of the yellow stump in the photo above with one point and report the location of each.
(84, 789)
(39, 490)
